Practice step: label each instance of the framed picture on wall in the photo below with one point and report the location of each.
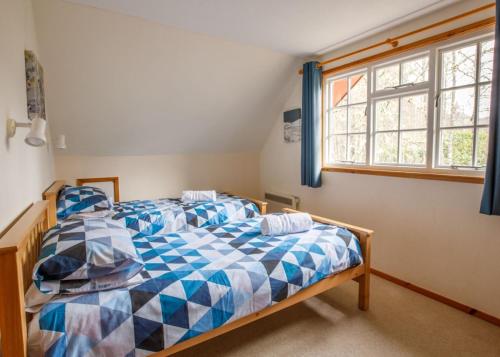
(292, 125)
(35, 92)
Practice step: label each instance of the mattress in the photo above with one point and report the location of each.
(193, 282)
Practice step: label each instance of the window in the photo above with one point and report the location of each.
(428, 111)
(348, 105)
(464, 105)
(400, 133)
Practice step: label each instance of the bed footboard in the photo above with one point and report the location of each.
(365, 237)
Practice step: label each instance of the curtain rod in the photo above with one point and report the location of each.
(394, 42)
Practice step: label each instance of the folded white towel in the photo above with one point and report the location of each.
(278, 225)
(192, 196)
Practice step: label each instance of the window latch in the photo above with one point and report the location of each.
(346, 161)
(401, 86)
(436, 104)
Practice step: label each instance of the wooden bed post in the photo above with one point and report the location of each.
(50, 195)
(364, 280)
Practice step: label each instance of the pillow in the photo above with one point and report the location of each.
(90, 254)
(289, 223)
(81, 199)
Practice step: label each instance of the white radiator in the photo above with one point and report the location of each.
(277, 201)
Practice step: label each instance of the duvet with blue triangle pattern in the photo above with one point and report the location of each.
(149, 217)
(193, 282)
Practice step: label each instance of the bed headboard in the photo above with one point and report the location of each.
(115, 180)
(52, 192)
(19, 250)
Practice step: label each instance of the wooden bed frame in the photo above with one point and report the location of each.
(19, 250)
(51, 193)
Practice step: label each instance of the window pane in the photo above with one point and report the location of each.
(386, 148)
(413, 147)
(387, 114)
(481, 146)
(339, 92)
(357, 118)
(486, 61)
(339, 147)
(339, 120)
(357, 148)
(457, 107)
(484, 104)
(358, 85)
(414, 112)
(415, 71)
(459, 67)
(387, 76)
(455, 147)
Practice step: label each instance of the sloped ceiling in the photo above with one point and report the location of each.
(123, 85)
(299, 27)
(119, 85)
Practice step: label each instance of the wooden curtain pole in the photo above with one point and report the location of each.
(443, 36)
(394, 42)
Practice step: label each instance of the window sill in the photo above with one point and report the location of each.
(408, 174)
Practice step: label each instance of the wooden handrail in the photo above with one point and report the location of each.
(394, 41)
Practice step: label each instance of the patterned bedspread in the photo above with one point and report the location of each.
(227, 208)
(194, 282)
(149, 217)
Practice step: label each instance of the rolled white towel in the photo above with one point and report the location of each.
(192, 196)
(278, 225)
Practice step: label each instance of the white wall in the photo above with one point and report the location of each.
(25, 171)
(167, 175)
(429, 233)
(121, 85)
(195, 108)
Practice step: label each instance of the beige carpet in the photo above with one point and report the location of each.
(399, 323)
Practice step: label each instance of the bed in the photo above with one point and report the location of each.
(194, 282)
(147, 217)
(19, 249)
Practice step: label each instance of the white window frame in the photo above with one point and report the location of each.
(398, 96)
(329, 110)
(475, 126)
(432, 87)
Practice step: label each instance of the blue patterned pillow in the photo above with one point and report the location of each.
(81, 199)
(88, 254)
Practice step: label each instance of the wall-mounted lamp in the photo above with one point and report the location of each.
(60, 142)
(36, 135)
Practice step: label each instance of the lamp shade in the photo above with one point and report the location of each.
(36, 135)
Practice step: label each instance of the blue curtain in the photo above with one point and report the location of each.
(311, 125)
(490, 203)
